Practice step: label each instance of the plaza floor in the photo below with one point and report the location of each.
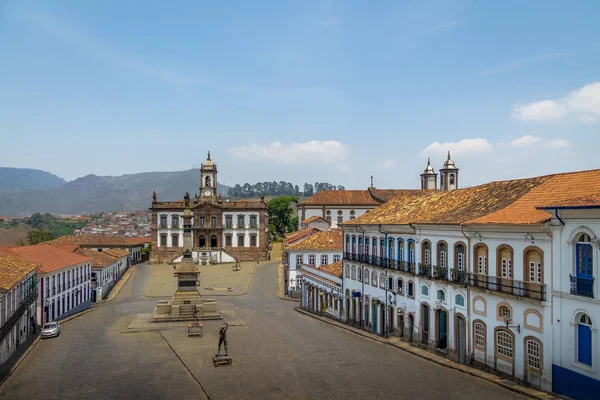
(277, 353)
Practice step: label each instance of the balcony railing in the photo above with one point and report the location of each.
(532, 290)
(582, 286)
(440, 273)
(388, 263)
(424, 270)
(458, 276)
(19, 311)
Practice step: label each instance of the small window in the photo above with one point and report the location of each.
(253, 240)
(298, 259)
(504, 343)
(311, 259)
(459, 300)
(360, 275)
(324, 259)
(228, 240)
(328, 212)
(340, 219)
(505, 312)
(336, 258)
(411, 289)
(347, 271)
(240, 221)
(390, 283)
(253, 221)
(240, 240)
(374, 279)
(441, 295)
(213, 222)
(202, 221)
(175, 241)
(424, 290)
(340, 212)
(479, 335)
(533, 354)
(163, 240)
(366, 276)
(382, 281)
(328, 218)
(353, 273)
(400, 286)
(352, 212)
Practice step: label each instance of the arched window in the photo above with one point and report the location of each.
(533, 264)
(228, 221)
(299, 258)
(584, 340)
(411, 251)
(382, 281)
(353, 273)
(201, 222)
(459, 299)
(452, 179)
(584, 266)
(366, 276)
(426, 253)
(175, 241)
(504, 257)
(353, 244)
(411, 289)
(481, 257)
(425, 290)
(400, 250)
(360, 277)
(175, 221)
(336, 258)
(504, 343)
(374, 279)
(347, 271)
(367, 246)
(441, 295)
(533, 348)
(213, 222)
(347, 243)
(479, 335)
(442, 255)
(312, 259)
(400, 286)
(360, 245)
(382, 248)
(459, 251)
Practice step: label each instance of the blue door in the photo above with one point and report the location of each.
(374, 318)
(584, 344)
(585, 280)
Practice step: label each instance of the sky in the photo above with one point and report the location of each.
(301, 91)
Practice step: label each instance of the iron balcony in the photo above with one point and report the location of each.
(532, 290)
(582, 286)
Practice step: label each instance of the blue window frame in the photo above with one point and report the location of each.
(584, 340)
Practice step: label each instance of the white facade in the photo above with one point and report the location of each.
(104, 278)
(64, 291)
(321, 292)
(23, 293)
(314, 258)
(334, 213)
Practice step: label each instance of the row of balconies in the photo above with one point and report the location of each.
(19, 311)
(531, 290)
(67, 285)
(214, 226)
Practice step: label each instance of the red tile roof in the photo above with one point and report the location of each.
(50, 257)
(370, 197)
(99, 240)
(313, 218)
(324, 241)
(334, 269)
(13, 269)
(101, 259)
(296, 235)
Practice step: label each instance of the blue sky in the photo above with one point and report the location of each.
(301, 90)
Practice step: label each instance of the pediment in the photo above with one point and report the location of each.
(206, 205)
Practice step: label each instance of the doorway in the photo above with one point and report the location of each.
(401, 323)
(425, 324)
(201, 241)
(383, 324)
(391, 319)
(442, 329)
(213, 241)
(461, 339)
(347, 310)
(374, 318)
(411, 327)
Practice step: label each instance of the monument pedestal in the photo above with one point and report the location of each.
(222, 360)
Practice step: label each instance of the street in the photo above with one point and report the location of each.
(277, 353)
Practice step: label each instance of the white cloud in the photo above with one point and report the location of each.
(315, 151)
(387, 164)
(525, 141)
(582, 103)
(446, 25)
(541, 111)
(557, 143)
(476, 146)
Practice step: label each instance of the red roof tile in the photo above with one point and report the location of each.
(324, 240)
(13, 269)
(49, 256)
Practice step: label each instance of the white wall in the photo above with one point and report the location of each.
(318, 212)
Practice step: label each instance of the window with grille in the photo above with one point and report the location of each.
(374, 279)
(347, 271)
(353, 273)
(324, 259)
(311, 259)
(479, 334)
(360, 275)
(298, 259)
(504, 344)
(482, 265)
(336, 257)
(366, 276)
(505, 312)
(460, 258)
(400, 286)
(535, 271)
(533, 354)
(507, 268)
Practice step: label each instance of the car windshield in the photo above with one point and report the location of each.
(49, 326)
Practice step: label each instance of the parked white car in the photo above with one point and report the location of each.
(51, 329)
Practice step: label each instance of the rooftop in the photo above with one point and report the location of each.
(101, 259)
(323, 240)
(13, 269)
(293, 236)
(312, 219)
(99, 240)
(370, 197)
(50, 257)
(334, 269)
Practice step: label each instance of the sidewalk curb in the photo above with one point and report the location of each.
(37, 340)
(117, 289)
(288, 299)
(510, 385)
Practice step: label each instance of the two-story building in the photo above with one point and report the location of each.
(322, 288)
(212, 228)
(319, 249)
(469, 273)
(18, 294)
(100, 243)
(107, 268)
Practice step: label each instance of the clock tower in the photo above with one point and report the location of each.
(208, 179)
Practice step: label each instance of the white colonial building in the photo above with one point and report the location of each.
(18, 294)
(488, 275)
(322, 289)
(319, 249)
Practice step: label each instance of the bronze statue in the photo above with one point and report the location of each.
(154, 195)
(186, 198)
(223, 337)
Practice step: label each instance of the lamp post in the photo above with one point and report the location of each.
(46, 312)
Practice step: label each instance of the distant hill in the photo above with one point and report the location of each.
(16, 180)
(92, 194)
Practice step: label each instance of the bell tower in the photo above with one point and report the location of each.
(448, 175)
(208, 179)
(428, 177)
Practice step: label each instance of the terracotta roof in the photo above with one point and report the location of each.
(140, 240)
(505, 202)
(180, 204)
(313, 218)
(591, 201)
(96, 240)
(370, 197)
(66, 247)
(323, 240)
(49, 256)
(293, 236)
(13, 269)
(116, 252)
(101, 259)
(334, 269)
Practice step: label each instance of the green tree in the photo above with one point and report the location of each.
(38, 236)
(280, 215)
(147, 250)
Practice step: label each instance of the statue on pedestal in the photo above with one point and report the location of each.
(223, 338)
(186, 198)
(154, 196)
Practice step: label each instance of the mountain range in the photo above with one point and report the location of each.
(26, 191)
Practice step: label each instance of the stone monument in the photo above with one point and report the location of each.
(187, 303)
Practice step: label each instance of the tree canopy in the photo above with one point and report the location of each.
(281, 216)
(279, 189)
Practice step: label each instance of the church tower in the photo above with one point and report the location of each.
(428, 177)
(208, 179)
(448, 175)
